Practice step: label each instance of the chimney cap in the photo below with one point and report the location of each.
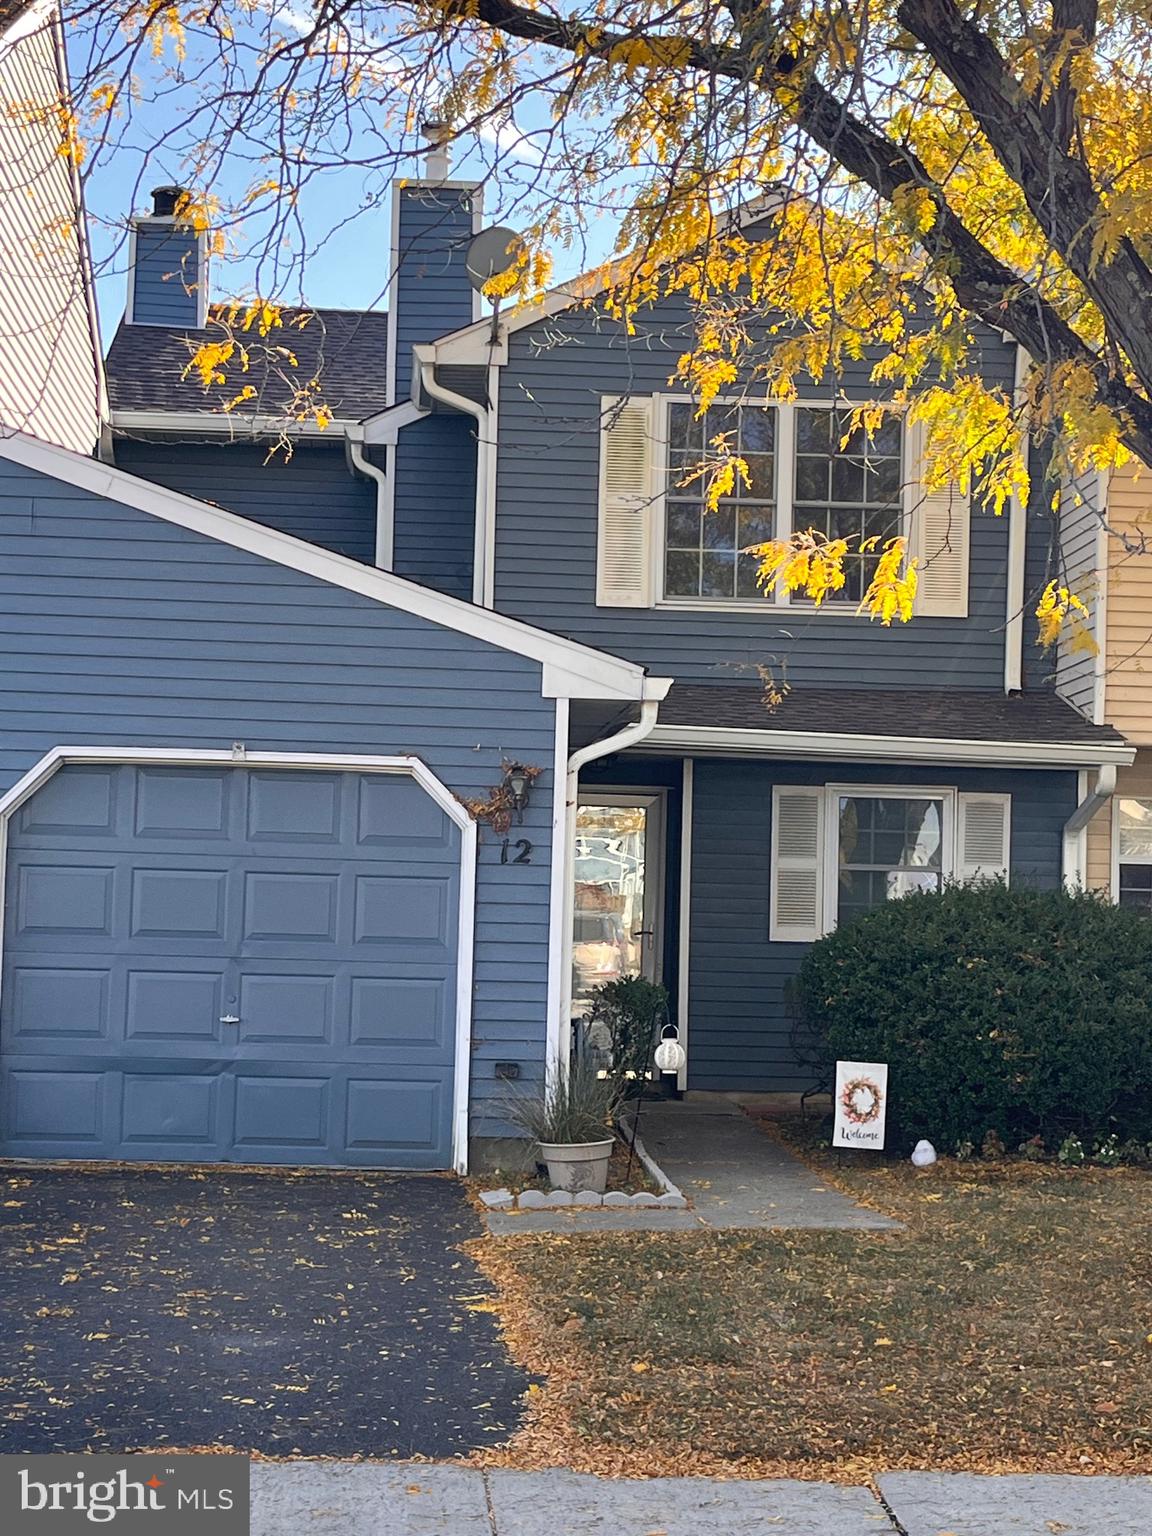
(165, 201)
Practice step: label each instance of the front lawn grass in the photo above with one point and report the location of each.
(1009, 1326)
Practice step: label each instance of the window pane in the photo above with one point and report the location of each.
(848, 493)
(719, 528)
(718, 575)
(889, 845)
(1136, 886)
(745, 516)
(682, 574)
(683, 525)
(1135, 827)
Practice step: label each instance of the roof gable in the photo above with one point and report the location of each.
(570, 670)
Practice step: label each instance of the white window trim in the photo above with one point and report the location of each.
(1116, 861)
(782, 499)
(192, 757)
(948, 795)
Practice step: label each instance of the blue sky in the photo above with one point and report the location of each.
(342, 219)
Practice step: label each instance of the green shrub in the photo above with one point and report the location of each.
(631, 1011)
(1014, 1011)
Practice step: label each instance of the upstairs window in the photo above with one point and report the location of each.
(701, 548)
(848, 492)
(1134, 853)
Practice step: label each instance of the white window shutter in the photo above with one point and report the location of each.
(797, 853)
(939, 524)
(624, 540)
(984, 836)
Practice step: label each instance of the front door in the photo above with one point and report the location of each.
(618, 902)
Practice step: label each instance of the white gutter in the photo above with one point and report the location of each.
(628, 736)
(485, 462)
(820, 746)
(1076, 825)
(354, 443)
(1017, 553)
(226, 424)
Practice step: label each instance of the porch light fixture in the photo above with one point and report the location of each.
(518, 783)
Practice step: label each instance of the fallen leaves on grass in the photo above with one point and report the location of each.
(1011, 1315)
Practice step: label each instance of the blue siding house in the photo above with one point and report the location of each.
(257, 706)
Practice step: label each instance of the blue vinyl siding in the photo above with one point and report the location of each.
(121, 629)
(431, 294)
(547, 516)
(739, 1016)
(435, 507)
(167, 267)
(313, 495)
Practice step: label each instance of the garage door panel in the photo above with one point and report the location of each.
(64, 898)
(402, 1116)
(166, 1113)
(287, 1009)
(403, 1015)
(173, 1005)
(406, 914)
(282, 1116)
(396, 814)
(294, 808)
(173, 803)
(57, 1003)
(50, 1111)
(290, 906)
(316, 912)
(82, 805)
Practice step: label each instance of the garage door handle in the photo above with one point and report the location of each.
(229, 1018)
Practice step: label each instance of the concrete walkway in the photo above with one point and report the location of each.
(734, 1175)
(359, 1499)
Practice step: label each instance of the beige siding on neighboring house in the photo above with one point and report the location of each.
(1128, 695)
(49, 373)
(1135, 781)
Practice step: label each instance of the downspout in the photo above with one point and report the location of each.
(354, 443)
(1074, 827)
(485, 450)
(628, 736)
(1017, 555)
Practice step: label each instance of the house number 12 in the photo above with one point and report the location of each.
(523, 854)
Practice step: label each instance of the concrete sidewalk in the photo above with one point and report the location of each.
(735, 1175)
(416, 1499)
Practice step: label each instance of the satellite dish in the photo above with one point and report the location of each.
(491, 253)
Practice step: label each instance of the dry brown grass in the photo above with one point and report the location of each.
(1008, 1327)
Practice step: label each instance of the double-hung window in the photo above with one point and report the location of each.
(838, 850)
(847, 485)
(702, 548)
(886, 846)
(806, 468)
(1133, 836)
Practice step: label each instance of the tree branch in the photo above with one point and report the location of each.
(1056, 186)
(983, 284)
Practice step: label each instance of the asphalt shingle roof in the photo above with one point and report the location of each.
(345, 347)
(949, 714)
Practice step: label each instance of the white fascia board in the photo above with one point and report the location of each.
(701, 740)
(584, 672)
(225, 424)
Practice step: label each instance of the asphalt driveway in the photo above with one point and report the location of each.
(310, 1314)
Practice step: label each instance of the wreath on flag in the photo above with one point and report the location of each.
(861, 1100)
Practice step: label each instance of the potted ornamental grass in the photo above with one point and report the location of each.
(571, 1122)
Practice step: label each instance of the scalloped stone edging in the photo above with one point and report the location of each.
(669, 1199)
(583, 1199)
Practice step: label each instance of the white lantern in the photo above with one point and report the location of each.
(670, 1055)
(923, 1154)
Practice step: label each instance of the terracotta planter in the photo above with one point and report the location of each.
(577, 1165)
